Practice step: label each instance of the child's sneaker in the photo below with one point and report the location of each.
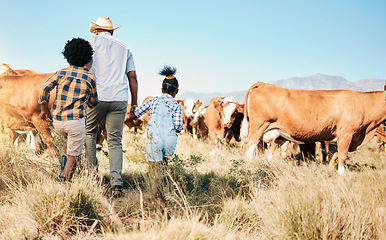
(63, 164)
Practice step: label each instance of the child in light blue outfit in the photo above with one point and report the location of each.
(165, 120)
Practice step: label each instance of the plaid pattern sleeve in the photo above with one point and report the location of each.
(75, 88)
(177, 117)
(93, 99)
(139, 111)
(50, 84)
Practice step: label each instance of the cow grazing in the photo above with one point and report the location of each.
(347, 117)
(19, 108)
(219, 118)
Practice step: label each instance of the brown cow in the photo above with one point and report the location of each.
(131, 122)
(19, 106)
(348, 117)
(145, 117)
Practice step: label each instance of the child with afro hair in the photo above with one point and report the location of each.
(75, 88)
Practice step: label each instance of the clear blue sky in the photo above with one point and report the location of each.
(220, 46)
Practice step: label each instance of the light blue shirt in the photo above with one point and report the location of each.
(112, 60)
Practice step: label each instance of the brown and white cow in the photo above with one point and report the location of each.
(19, 108)
(220, 118)
(348, 117)
(189, 107)
(233, 125)
(200, 129)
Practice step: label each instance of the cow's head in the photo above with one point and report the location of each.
(229, 106)
(189, 106)
(200, 112)
(197, 106)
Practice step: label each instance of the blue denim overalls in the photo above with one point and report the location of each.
(161, 137)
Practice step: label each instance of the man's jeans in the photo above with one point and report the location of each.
(115, 113)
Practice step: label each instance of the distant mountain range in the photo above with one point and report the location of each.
(313, 82)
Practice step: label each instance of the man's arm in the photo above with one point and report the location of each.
(133, 84)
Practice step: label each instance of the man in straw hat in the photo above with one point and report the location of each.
(114, 70)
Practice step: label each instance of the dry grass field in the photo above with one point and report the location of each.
(222, 197)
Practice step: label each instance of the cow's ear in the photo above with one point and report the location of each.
(218, 105)
(240, 108)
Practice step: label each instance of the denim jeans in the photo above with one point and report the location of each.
(115, 113)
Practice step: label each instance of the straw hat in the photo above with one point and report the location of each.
(102, 23)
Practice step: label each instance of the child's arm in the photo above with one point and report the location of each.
(44, 97)
(177, 119)
(139, 111)
(93, 100)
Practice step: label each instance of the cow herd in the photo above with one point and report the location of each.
(342, 120)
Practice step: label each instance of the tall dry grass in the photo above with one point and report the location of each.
(203, 197)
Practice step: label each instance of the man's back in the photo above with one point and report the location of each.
(112, 60)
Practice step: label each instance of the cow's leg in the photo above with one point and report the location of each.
(271, 148)
(253, 141)
(31, 140)
(307, 151)
(41, 126)
(379, 144)
(254, 137)
(284, 149)
(343, 146)
(214, 142)
(384, 149)
(101, 136)
(333, 156)
(325, 151)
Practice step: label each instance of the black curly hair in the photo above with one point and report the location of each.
(170, 83)
(78, 52)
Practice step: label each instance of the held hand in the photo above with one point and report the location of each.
(44, 112)
(132, 109)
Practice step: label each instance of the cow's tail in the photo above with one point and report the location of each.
(245, 125)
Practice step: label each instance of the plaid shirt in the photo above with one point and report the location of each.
(75, 87)
(173, 107)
